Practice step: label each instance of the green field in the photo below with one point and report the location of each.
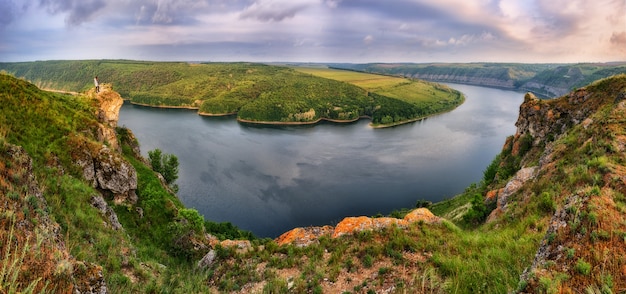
(429, 98)
(412, 91)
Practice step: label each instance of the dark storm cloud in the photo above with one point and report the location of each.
(10, 10)
(168, 11)
(142, 12)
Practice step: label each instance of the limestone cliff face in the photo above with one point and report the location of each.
(102, 164)
(570, 152)
(468, 79)
(108, 104)
(546, 120)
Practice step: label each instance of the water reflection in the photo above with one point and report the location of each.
(270, 179)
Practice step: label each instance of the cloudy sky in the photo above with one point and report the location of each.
(315, 30)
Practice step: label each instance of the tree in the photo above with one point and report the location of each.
(170, 168)
(155, 157)
(165, 164)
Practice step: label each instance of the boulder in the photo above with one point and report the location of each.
(302, 237)
(207, 260)
(421, 214)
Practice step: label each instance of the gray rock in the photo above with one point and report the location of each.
(208, 260)
(98, 202)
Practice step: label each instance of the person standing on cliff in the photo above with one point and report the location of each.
(95, 81)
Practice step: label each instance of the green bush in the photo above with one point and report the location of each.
(583, 267)
(478, 212)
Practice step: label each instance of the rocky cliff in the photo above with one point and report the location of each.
(102, 164)
(571, 152)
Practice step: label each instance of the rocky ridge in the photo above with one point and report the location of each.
(352, 225)
(576, 143)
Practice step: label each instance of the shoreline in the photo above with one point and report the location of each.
(295, 123)
(298, 123)
(418, 118)
(163, 106)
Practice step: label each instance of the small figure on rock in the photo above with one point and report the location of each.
(95, 81)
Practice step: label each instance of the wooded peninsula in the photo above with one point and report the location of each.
(255, 93)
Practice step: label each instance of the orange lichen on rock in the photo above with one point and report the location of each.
(304, 236)
(351, 225)
(493, 195)
(421, 214)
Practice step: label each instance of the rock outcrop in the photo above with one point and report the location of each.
(502, 195)
(350, 225)
(107, 171)
(546, 120)
(102, 164)
(108, 104)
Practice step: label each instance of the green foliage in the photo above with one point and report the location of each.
(478, 212)
(165, 164)
(583, 267)
(191, 216)
(490, 172)
(227, 230)
(546, 203)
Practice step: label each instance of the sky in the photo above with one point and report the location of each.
(354, 31)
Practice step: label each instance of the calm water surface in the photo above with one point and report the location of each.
(271, 179)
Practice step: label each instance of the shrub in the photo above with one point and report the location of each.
(583, 267)
(546, 203)
(368, 261)
(490, 172)
(478, 212)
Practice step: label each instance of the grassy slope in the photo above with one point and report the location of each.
(48, 126)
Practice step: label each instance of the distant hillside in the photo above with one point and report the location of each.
(544, 80)
(256, 93)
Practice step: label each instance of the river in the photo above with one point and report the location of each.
(271, 179)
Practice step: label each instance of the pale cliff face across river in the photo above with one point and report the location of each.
(271, 179)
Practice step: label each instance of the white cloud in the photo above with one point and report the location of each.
(368, 39)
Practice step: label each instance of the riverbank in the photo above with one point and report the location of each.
(295, 123)
(418, 118)
(165, 106)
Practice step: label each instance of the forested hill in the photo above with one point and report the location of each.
(256, 93)
(544, 80)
